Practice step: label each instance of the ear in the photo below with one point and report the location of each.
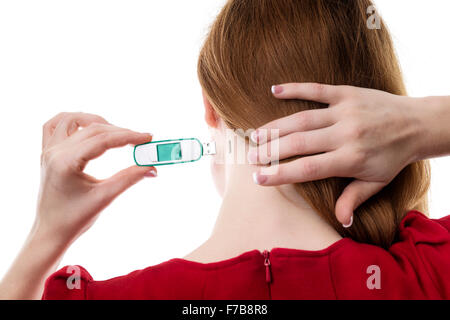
(210, 114)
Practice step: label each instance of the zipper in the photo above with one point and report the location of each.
(267, 265)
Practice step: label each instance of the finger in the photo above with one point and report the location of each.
(352, 197)
(93, 130)
(83, 120)
(295, 144)
(119, 183)
(323, 93)
(299, 122)
(319, 167)
(72, 122)
(50, 126)
(99, 144)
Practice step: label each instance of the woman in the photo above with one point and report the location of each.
(385, 250)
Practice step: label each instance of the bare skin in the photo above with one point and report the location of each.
(257, 218)
(70, 201)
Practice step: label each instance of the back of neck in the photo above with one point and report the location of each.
(262, 218)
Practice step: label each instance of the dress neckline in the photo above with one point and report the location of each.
(256, 254)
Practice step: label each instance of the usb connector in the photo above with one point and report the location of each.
(209, 149)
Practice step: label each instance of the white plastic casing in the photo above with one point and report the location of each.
(147, 154)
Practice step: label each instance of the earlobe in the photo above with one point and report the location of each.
(210, 114)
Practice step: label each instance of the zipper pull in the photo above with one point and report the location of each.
(267, 265)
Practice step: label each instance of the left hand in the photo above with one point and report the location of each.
(365, 134)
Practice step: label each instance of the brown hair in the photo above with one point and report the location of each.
(255, 44)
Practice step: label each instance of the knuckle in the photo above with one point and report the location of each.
(359, 157)
(50, 123)
(102, 137)
(310, 168)
(101, 119)
(302, 120)
(46, 157)
(318, 90)
(297, 142)
(96, 128)
(53, 161)
(93, 117)
(357, 132)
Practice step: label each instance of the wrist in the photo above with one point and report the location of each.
(48, 238)
(433, 116)
(43, 252)
(37, 260)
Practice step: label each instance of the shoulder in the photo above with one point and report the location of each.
(75, 283)
(69, 283)
(414, 267)
(423, 250)
(418, 228)
(425, 245)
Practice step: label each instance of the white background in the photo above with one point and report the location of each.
(134, 62)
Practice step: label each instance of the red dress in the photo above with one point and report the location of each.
(417, 266)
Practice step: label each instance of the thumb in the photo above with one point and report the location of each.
(352, 197)
(123, 180)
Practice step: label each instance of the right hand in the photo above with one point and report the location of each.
(366, 134)
(69, 199)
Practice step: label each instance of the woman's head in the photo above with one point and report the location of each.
(255, 44)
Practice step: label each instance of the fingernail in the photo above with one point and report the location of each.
(255, 136)
(252, 157)
(348, 226)
(151, 174)
(259, 179)
(277, 89)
